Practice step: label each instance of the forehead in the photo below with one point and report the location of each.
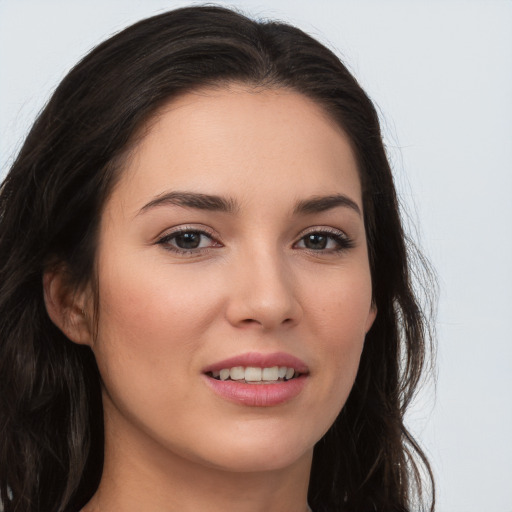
(241, 142)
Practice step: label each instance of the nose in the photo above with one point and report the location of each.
(263, 293)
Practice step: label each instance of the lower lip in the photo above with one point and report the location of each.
(257, 395)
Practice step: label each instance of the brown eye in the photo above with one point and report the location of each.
(325, 242)
(188, 240)
(315, 241)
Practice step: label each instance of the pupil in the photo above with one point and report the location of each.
(188, 240)
(316, 241)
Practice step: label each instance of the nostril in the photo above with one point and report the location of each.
(249, 321)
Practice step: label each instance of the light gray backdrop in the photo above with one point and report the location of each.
(441, 75)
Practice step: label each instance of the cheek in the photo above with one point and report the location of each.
(341, 306)
(151, 321)
(340, 316)
(147, 298)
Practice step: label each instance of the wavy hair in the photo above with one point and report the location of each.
(51, 419)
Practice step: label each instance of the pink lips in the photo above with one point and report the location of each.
(258, 395)
(261, 361)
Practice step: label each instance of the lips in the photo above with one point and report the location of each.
(256, 375)
(258, 360)
(281, 377)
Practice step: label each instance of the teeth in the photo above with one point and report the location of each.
(255, 374)
(252, 374)
(289, 373)
(270, 373)
(237, 373)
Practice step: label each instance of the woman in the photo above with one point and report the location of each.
(206, 301)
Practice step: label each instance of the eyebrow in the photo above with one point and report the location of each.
(193, 200)
(228, 205)
(322, 203)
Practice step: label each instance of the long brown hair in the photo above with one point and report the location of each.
(51, 424)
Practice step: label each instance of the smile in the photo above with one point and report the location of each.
(281, 378)
(255, 375)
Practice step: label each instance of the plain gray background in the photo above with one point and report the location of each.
(440, 73)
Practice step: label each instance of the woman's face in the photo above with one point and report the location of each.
(233, 244)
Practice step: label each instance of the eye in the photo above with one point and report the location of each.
(325, 241)
(187, 241)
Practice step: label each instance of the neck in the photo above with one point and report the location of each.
(139, 475)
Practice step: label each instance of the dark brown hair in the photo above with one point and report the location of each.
(51, 423)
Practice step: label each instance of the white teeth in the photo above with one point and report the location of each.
(270, 373)
(255, 374)
(252, 374)
(237, 373)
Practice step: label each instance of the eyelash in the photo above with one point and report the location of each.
(341, 239)
(165, 241)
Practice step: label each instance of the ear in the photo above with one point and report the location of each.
(371, 317)
(68, 309)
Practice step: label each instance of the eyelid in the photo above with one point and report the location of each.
(169, 234)
(323, 229)
(184, 228)
(344, 241)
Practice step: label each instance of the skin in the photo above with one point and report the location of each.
(252, 286)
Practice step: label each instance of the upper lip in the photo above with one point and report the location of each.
(259, 360)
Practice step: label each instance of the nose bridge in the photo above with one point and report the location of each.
(263, 290)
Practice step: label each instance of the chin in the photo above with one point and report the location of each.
(250, 452)
(260, 461)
